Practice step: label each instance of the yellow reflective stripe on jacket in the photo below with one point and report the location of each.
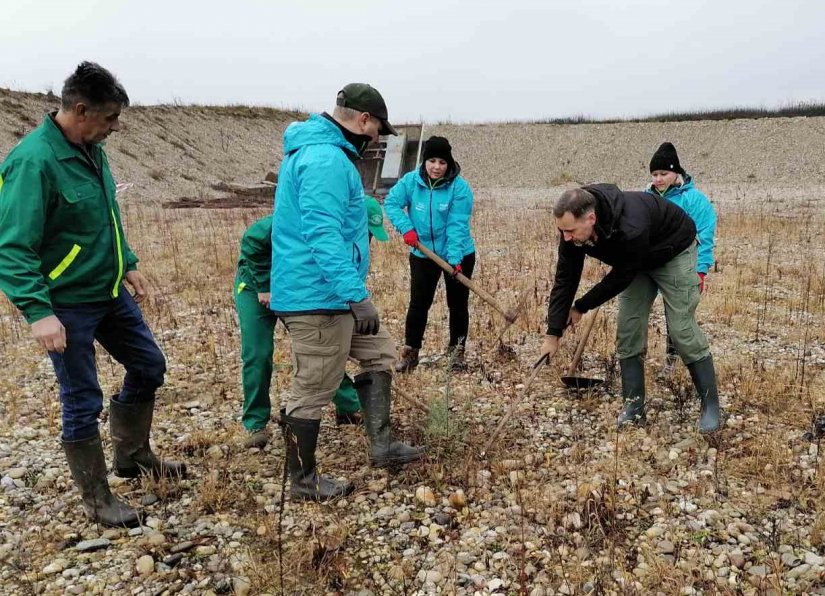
(116, 289)
(241, 286)
(1, 183)
(64, 264)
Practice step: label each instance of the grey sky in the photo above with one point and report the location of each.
(458, 60)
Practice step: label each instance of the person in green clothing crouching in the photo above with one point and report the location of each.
(257, 323)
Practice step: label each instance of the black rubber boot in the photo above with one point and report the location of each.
(306, 484)
(633, 390)
(129, 425)
(374, 392)
(88, 467)
(408, 360)
(703, 374)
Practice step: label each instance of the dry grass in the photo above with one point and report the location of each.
(586, 497)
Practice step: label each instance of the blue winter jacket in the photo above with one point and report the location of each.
(320, 246)
(439, 212)
(701, 211)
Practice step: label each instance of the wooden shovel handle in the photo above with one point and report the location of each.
(484, 295)
(577, 356)
(514, 404)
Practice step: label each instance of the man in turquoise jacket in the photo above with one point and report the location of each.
(320, 261)
(670, 181)
(63, 261)
(257, 324)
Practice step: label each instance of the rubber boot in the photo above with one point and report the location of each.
(704, 379)
(374, 393)
(88, 467)
(306, 484)
(408, 360)
(129, 425)
(633, 390)
(456, 359)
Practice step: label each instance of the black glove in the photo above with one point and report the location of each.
(366, 317)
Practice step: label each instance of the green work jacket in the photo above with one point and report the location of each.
(61, 238)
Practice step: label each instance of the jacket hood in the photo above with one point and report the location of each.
(317, 130)
(452, 174)
(609, 205)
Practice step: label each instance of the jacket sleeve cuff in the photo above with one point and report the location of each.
(35, 313)
(555, 332)
(581, 306)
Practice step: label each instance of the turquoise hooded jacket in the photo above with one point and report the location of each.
(320, 244)
(439, 212)
(701, 211)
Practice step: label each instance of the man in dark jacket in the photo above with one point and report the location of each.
(650, 243)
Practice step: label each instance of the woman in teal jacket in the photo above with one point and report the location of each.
(433, 206)
(669, 180)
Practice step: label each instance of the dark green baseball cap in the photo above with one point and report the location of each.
(375, 219)
(365, 98)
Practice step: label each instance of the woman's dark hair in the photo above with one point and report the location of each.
(93, 85)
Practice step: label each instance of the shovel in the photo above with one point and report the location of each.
(509, 315)
(570, 380)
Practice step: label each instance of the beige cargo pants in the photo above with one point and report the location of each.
(321, 345)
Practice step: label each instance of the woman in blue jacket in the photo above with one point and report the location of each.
(669, 180)
(433, 206)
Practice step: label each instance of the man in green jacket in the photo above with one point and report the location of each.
(257, 323)
(63, 261)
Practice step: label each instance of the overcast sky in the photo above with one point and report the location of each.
(458, 60)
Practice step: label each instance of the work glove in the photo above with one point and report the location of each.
(366, 317)
(456, 270)
(411, 238)
(702, 282)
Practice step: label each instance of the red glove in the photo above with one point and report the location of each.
(411, 238)
(456, 269)
(702, 282)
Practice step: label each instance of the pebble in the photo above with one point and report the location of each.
(55, 566)
(145, 565)
(181, 547)
(149, 499)
(206, 550)
(458, 499)
(665, 547)
(16, 473)
(92, 545)
(241, 586)
(425, 495)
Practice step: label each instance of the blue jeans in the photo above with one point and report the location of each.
(119, 327)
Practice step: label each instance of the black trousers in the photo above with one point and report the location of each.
(424, 275)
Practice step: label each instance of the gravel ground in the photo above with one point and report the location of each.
(563, 504)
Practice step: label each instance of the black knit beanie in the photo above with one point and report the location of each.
(666, 158)
(438, 147)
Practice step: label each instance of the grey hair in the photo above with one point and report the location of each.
(576, 201)
(345, 114)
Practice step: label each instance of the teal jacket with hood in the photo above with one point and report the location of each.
(320, 244)
(701, 211)
(439, 211)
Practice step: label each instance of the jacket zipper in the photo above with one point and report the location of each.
(118, 251)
